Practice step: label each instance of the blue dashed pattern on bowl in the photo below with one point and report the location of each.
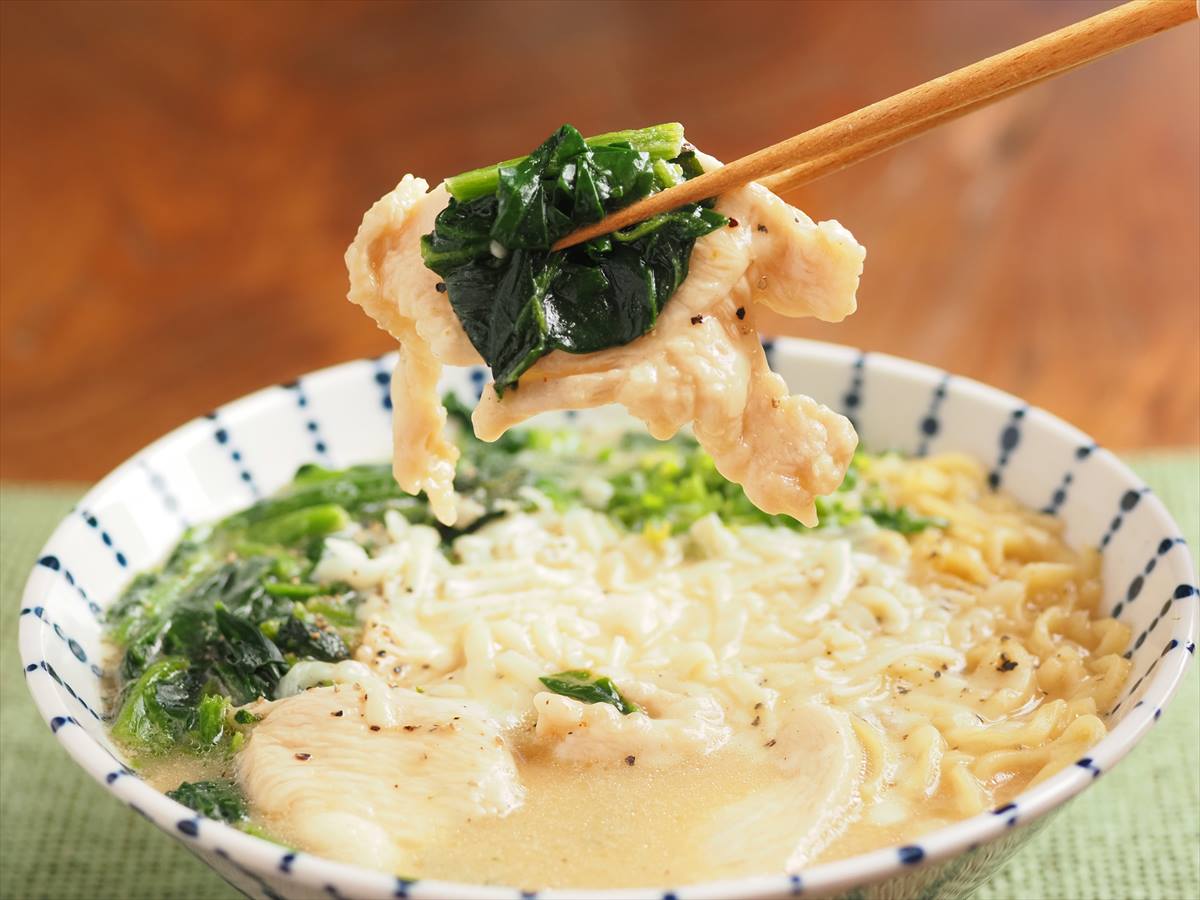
(339, 416)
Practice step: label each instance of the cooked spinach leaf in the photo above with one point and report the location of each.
(309, 641)
(337, 607)
(240, 587)
(248, 664)
(138, 618)
(354, 489)
(210, 719)
(218, 799)
(516, 300)
(582, 685)
(159, 708)
(660, 142)
(193, 634)
(312, 522)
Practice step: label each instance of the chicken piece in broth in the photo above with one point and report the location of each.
(369, 774)
(702, 363)
(819, 763)
(667, 729)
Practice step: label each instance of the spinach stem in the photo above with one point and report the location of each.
(660, 141)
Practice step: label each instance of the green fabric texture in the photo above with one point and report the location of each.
(1135, 834)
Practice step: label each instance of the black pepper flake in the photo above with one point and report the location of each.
(937, 674)
(741, 312)
(410, 727)
(696, 320)
(630, 760)
(1006, 664)
(762, 228)
(440, 287)
(375, 727)
(733, 223)
(304, 757)
(902, 690)
(338, 713)
(770, 743)
(755, 723)
(758, 706)
(381, 653)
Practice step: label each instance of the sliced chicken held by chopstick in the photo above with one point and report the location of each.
(658, 317)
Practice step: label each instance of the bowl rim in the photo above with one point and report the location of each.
(250, 855)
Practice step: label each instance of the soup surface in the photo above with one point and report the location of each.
(613, 670)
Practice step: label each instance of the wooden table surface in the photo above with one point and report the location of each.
(179, 183)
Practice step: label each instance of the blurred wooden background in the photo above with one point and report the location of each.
(179, 182)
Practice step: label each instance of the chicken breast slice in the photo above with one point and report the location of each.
(371, 779)
(790, 822)
(392, 285)
(669, 729)
(702, 364)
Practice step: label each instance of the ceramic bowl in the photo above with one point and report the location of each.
(339, 416)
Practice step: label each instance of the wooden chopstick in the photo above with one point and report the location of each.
(889, 122)
(813, 169)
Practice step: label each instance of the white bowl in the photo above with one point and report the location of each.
(339, 416)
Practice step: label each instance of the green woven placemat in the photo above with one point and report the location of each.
(1136, 834)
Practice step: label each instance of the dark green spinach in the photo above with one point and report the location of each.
(248, 664)
(660, 142)
(310, 641)
(218, 799)
(210, 719)
(582, 685)
(159, 708)
(516, 300)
